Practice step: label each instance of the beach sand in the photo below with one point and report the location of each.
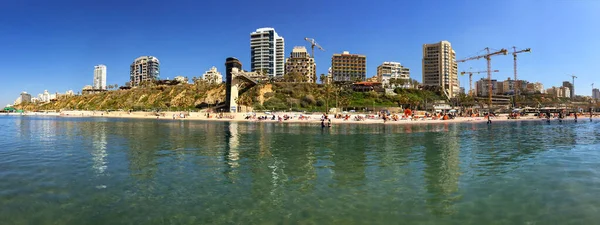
(313, 118)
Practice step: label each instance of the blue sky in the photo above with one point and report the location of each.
(54, 45)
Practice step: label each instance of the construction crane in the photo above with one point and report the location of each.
(313, 43)
(471, 78)
(489, 68)
(573, 87)
(514, 53)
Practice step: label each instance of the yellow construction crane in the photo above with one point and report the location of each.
(489, 68)
(514, 53)
(313, 43)
(471, 78)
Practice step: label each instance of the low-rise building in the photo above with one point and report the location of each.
(499, 88)
(181, 79)
(374, 79)
(213, 76)
(482, 87)
(560, 92)
(87, 89)
(393, 74)
(538, 87)
(368, 86)
(508, 86)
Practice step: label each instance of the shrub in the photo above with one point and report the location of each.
(269, 94)
(320, 102)
(309, 99)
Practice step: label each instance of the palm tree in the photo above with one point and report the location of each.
(322, 78)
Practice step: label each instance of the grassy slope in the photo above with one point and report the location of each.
(277, 96)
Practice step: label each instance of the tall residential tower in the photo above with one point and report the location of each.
(267, 52)
(100, 77)
(439, 67)
(144, 68)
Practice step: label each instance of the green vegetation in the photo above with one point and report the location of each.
(317, 97)
(269, 96)
(178, 97)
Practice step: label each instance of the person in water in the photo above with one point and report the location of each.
(575, 116)
(323, 123)
(489, 118)
(329, 122)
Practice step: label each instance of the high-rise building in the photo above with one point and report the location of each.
(213, 76)
(144, 68)
(301, 62)
(393, 70)
(348, 67)
(439, 67)
(596, 94)
(99, 77)
(569, 85)
(267, 52)
(24, 97)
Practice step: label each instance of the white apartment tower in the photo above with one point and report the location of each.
(99, 77)
(439, 67)
(267, 52)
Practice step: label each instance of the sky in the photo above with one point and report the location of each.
(54, 45)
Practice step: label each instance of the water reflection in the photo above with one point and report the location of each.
(99, 147)
(442, 169)
(248, 173)
(232, 155)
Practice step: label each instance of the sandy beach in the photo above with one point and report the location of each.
(294, 117)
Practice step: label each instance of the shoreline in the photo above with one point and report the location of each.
(240, 117)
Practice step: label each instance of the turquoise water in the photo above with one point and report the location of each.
(120, 171)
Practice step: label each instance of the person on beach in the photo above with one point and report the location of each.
(560, 116)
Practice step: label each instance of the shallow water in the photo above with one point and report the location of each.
(127, 171)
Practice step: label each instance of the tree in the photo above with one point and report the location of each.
(343, 101)
(244, 100)
(294, 77)
(323, 78)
